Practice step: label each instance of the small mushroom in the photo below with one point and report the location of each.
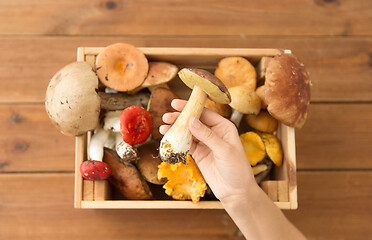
(121, 67)
(253, 146)
(223, 109)
(263, 122)
(177, 141)
(135, 125)
(71, 99)
(236, 71)
(287, 90)
(243, 101)
(160, 103)
(260, 91)
(111, 121)
(273, 148)
(148, 162)
(159, 74)
(126, 152)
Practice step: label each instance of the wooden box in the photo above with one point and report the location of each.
(282, 190)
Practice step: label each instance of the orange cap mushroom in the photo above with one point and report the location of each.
(121, 67)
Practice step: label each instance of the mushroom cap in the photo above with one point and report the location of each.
(236, 71)
(121, 67)
(245, 100)
(287, 90)
(71, 99)
(159, 73)
(210, 84)
(160, 103)
(148, 162)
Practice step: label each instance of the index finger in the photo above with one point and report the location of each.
(208, 117)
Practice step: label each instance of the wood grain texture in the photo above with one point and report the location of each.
(40, 206)
(334, 205)
(239, 17)
(336, 75)
(335, 136)
(29, 141)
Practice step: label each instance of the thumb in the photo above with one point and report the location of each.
(204, 134)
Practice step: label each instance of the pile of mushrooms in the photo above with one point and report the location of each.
(111, 103)
(281, 95)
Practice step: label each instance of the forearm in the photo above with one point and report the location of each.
(258, 217)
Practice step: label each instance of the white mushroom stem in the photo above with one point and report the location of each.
(96, 144)
(111, 121)
(111, 142)
(236, 117)
(123, 149)
(177, 141)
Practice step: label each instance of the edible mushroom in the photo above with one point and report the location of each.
(236, 71)
(71, 99)
(160, 103)
(135, 125)
(223, 109)
(159, 74)
(243, 101)
(121, 67)
(176, 143)
(287, 90)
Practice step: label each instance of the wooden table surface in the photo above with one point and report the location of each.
(332, 37)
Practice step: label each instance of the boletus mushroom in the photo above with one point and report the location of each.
(71, 99)
(121, 67)
(160, 103)
(223, 109)
(176, 143)
(287, 90)
(243, 101)
(159, 74)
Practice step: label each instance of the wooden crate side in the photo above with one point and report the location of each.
(80, 156)
(88, 190)
(101, 190)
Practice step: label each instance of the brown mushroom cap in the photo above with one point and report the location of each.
(122, 67)
(210, 84)
(148, 162)
(261, 94)
(287, 90)
(236, 71)
(159, 73)
(71, 99)
(245, 100)
(160, 103)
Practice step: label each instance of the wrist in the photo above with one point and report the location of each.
(250, 194)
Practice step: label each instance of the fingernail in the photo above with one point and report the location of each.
(195, 122)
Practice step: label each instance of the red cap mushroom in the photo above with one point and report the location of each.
(135, 125)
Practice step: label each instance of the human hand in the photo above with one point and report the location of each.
(218, 152)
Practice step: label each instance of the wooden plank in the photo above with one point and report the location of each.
(29, 141)
(193, 17)
(101, 190)
(336, 136)
(40, 206)
(336, 75)
(88, 192)
(334, 205)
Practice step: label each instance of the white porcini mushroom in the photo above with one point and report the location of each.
(96, 144)
(176, 143)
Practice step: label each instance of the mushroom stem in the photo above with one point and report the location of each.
(236, 117)
(176, 143)
(96, 145)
